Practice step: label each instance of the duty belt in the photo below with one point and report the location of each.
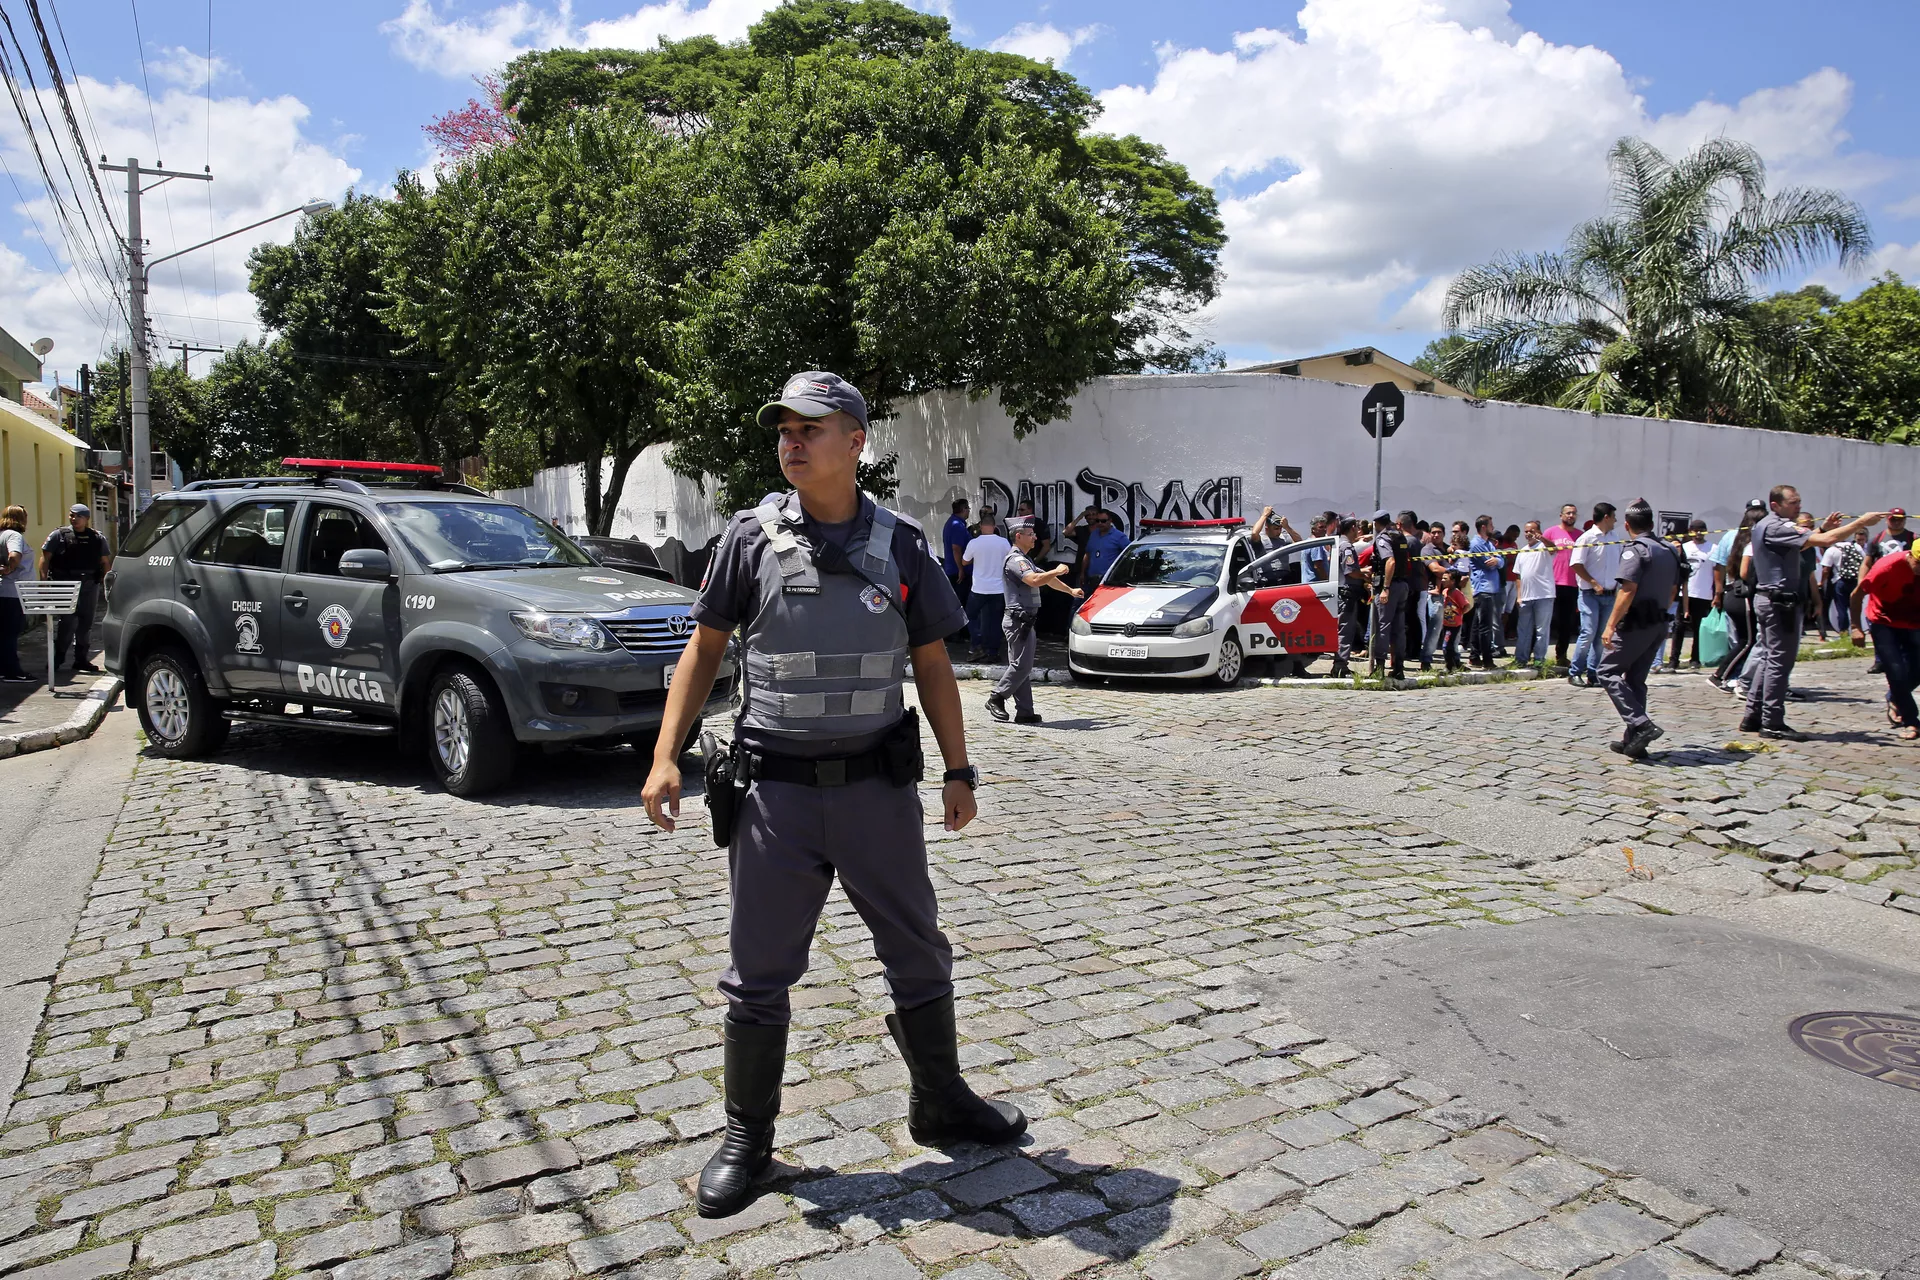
(838, 772)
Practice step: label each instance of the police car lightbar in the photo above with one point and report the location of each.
(1229, 522)
(344, 466)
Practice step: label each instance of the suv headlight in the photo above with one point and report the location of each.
(1080, 626)
(563, 632)
(1194, 627)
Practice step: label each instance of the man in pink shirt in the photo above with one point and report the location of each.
(1566, 590)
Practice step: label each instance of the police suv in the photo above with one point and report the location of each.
(1188, 599)
(377, 599)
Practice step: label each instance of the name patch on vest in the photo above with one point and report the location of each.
(794, 589)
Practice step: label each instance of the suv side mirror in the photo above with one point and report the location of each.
(367, 562)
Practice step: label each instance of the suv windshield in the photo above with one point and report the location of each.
(451, 536)
(1167, 565)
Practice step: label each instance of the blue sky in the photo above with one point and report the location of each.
(1365, 149)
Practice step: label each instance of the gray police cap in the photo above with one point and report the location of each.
(815, 394)
(1380, 516)
(79, 509)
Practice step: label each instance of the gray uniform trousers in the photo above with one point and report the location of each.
(1017, 680)
(789, 842)
(1389, 624)
(1776, 646)
(1623, 671)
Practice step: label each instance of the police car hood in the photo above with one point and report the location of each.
(577, 589)
(1121, 605)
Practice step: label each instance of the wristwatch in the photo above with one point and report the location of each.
(965, 773)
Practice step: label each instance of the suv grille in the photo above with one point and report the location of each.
(652, 635)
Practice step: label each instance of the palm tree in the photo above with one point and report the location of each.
(1649, 310)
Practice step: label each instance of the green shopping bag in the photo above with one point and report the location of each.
(1713, 638)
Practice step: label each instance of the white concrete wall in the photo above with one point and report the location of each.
(1216, 439)
(559, 493)
(1220, 436)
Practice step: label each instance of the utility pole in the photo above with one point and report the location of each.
(141, 459)
(189, 349)
(86, 406)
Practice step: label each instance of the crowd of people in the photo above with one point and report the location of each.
(1565, 594)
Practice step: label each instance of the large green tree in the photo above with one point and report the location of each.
(551, 277)
(360, 384)
(1650, 309)
(913, 214)
(1865, 382)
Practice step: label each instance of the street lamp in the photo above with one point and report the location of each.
(137, 272)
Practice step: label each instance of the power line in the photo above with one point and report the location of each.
(92, 313)
(59, 197)
(66, 106)
(166, 200)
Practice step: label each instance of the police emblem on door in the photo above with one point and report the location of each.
(246, 634)
(874, 598)
(1286, 611)
(336, 624)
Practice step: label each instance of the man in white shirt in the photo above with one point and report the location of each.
(1534, 563)
(1596, 566)
(987, 601)
(1696, 596)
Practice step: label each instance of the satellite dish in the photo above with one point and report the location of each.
(42, 345)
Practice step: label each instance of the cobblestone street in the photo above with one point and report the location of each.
(318, 1018)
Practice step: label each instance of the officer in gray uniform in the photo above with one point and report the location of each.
(1024, 582)
(835, 596)
(1630, 642)
(1392, 572)
(1777, 590)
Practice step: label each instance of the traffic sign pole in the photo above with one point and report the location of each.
(1380, 414)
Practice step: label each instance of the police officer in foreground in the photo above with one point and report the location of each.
(76, 553)
(1024, 582)
(1775, 550)
(1392, 571)
(1631, 638)
(834, 596)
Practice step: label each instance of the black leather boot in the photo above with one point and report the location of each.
(756, 1055)
(942, 1110)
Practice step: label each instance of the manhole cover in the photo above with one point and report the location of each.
(1881, 1046)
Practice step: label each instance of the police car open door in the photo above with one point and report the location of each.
(232, 581)
(338, 643)
(1293, 606)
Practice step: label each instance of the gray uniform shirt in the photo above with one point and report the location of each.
(1019, 594)
(1776, 554)
(729, 595)
(1654, 569)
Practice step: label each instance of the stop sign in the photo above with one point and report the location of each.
(1382, 409)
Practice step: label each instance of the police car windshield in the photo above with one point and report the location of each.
(1167, 564)
(450, 537)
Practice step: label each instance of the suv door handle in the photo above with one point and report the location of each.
(190, 588)
(296, 600)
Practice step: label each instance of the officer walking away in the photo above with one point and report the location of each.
(77, 553)
(1392, 562)
(1353, 593)
(834, 596)
(1636, 629)
(1017, 624)
(1777, 593)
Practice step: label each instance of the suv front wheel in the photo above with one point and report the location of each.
(180, 717)
(469, 743)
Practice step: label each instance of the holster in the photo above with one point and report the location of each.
(905, 762)
(724, 788)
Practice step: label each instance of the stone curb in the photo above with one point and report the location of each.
(1061, 675)
(85, 719)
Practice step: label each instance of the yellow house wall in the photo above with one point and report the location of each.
(38, 470)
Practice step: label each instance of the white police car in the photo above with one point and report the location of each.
(1188, 600)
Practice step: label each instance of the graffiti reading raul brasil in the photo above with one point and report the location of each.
(1054, 501)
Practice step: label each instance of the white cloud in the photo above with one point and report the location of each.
(1394, 142)
(460, 46)
(1044, 42)
(263, 162)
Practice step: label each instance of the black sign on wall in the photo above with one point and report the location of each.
(956, 466)
(1287, 475)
